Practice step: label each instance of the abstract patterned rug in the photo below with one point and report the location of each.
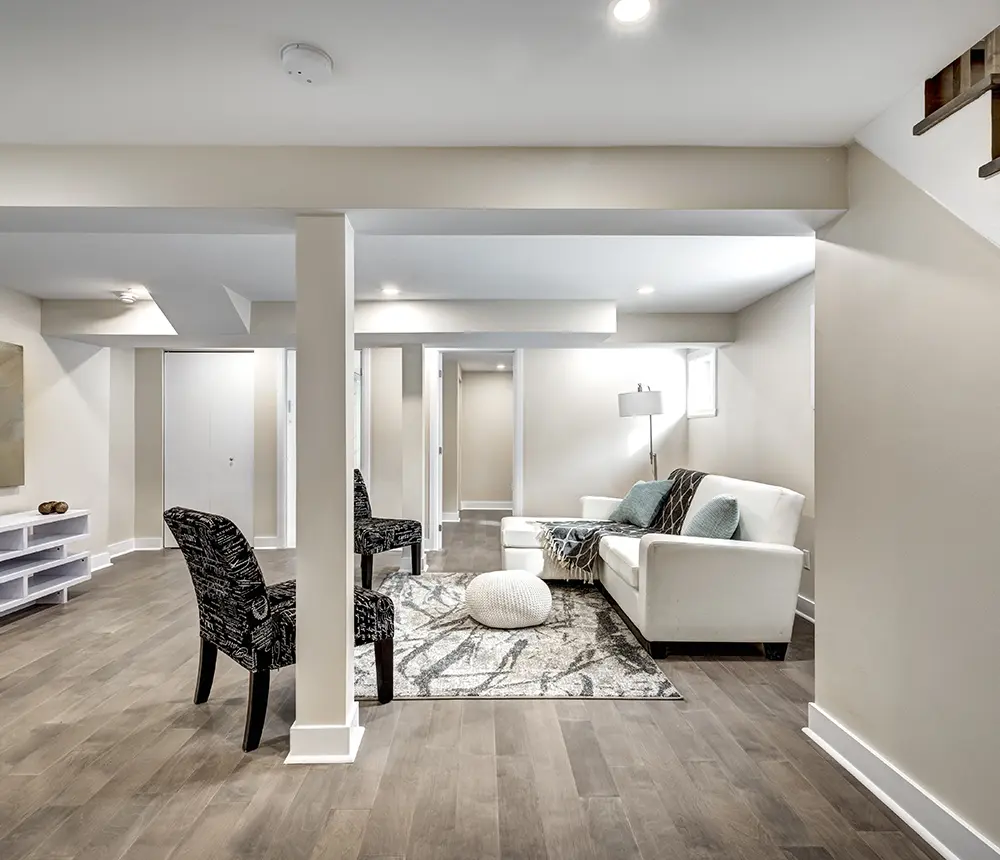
(583, 650)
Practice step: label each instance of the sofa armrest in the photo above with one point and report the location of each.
(707, 590)
(597, 507)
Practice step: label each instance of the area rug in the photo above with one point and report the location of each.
(584, 650)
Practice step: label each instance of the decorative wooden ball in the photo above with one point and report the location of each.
(46, 507)
(60, 507)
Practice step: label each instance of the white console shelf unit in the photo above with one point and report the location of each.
(37, 560)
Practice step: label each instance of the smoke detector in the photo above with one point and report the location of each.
(307, 63)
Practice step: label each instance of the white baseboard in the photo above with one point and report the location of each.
(123, 547)
(942, 829)
(487, 506)
(325, 744)
(267, 542)
(806, 608)
(450, 517)
(147, 544)
(99, 561)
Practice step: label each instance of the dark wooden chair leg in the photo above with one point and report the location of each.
(383, 670)
(775, 650)
(206, 672)
(367, 567)
(260, 683)
(658, 650)
(415, 557)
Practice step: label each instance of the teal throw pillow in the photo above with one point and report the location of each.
(642, 504)
(717, 518)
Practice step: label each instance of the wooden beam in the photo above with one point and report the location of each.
(992, 62)
(965, 71)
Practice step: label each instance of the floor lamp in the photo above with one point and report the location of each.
(641, 402)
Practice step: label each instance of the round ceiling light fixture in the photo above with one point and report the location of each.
(307, 64)
(390, 290)
(501, 367)
(631, 12)
(645, 290)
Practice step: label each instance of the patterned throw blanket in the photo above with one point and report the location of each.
(573, 545)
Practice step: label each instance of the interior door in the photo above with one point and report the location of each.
(208, 434)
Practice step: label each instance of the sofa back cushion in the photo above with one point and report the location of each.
(768, 514)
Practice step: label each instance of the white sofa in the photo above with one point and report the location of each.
(683, 589)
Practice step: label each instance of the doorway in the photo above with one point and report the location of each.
(208, 435)
(480, 434)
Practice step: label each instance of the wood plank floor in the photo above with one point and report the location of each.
(103, 756)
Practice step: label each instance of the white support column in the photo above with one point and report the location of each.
(326, 716)
(414, 442)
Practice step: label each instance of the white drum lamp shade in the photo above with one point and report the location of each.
(635, 403)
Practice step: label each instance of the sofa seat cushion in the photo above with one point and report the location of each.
(524, 532)
(621, 554)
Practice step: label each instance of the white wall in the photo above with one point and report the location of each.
(764, 427)
(944, 161)
(487, 421)
(575, 444)
(67, 407)
(907, 470)
(385, 484)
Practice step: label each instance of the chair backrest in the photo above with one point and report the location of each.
(228, 583)
(362, 504)
(768, 514)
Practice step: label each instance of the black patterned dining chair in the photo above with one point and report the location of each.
(374, 535)
(254, 623)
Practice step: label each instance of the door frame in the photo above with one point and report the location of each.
(436, 510)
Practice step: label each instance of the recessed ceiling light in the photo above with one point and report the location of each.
(645, 290)
(390, 290)
(501, 367)
(126, 297)
(631, 11)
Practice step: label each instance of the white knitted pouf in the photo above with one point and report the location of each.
(508, 599)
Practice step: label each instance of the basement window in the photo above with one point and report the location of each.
(702, 383)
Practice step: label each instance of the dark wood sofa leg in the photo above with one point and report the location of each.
(206, 672)
(260, 683)
(415, 558)
(775, 650)
(367, 567)
(383, 670)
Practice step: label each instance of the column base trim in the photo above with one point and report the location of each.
(940, 827)
(325, 744)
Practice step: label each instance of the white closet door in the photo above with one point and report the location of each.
(208, 440)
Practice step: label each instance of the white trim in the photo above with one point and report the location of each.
(148, 544)
(945, 831)
(100, 561)
(450, 517)
(517, 489)
(806, 608)
(123, 547)
(268, 542)
(487, 506)
(325, 744)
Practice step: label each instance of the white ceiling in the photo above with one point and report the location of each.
(481, 360)
(474, 72)
(689, 273)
